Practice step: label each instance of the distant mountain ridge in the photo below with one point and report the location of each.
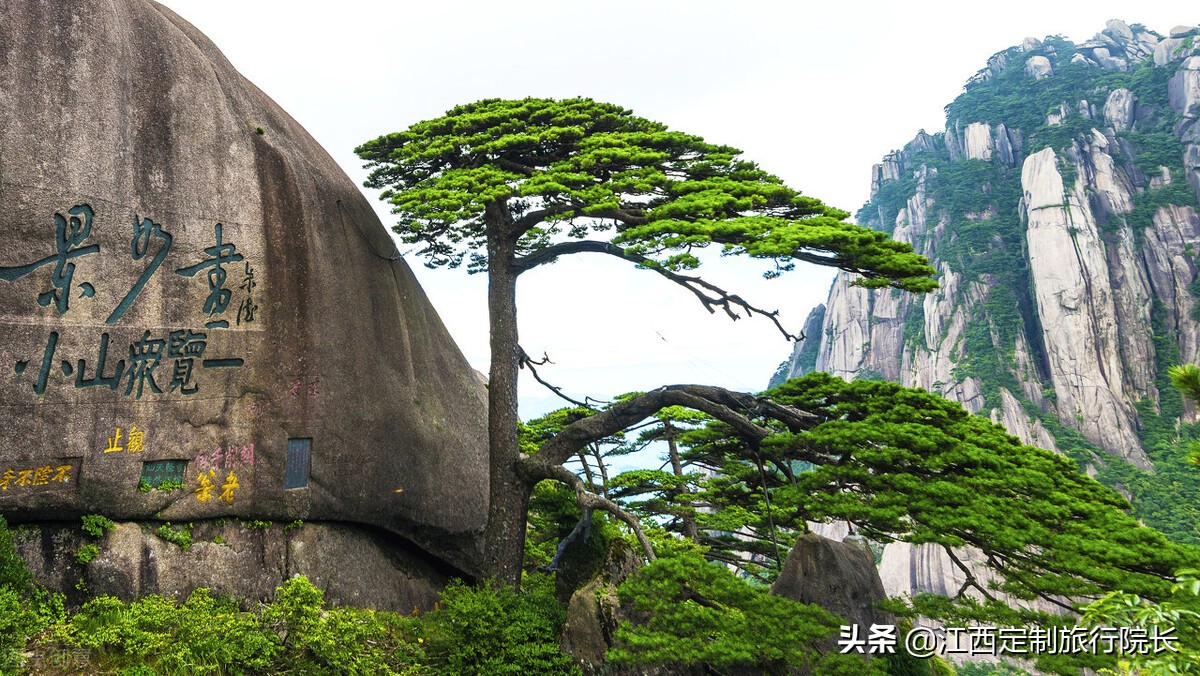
(1059, 206)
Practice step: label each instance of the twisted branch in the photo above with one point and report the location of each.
(710, 296)
(585, 498)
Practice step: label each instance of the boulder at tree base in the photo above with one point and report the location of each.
(192, 290)
(838, 576)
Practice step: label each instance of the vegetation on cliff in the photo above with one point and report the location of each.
(981, 235)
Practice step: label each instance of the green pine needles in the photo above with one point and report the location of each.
(576, 169)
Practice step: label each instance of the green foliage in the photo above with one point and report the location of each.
(1178, 616)
(901, 463)
(25, 608)
(293, 525)
(1018, 101)
(1179, 193)
(699, 614)
(1186, 379)
(533, 433)
(204, 635)
(1169, 499)
(86, 553)
(145, 486)
(576, 168)
(891, 197)
(484, 630)
(338, 640)
(182, 536)
(97, 525)
(13, 572)
(18, 621)
(553, 514)
(255, 524)
(989, 669)
(1157, 149)
(914, 326)
(207, 635)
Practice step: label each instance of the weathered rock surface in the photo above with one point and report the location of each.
(1067, 333)
(191, 289)
(1184, 90)
(1074, 299)
(1038, 67)
(1118, 109)
(356, 566)
(593, 612)
(977, 141)
(838, 576)
(1171, 49)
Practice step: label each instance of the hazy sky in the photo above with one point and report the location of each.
(815, 95)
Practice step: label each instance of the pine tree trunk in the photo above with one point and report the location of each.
(504, 539)
(690, 530)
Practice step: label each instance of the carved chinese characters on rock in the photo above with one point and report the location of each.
(148, 361)
(205, 487)
(219, 255)
(221, 460)
(34, 477)
(248, 309)
(136, 442)
(70, 232)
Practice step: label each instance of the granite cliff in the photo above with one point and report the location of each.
(1059, 205)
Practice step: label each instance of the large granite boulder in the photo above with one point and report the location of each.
(838, 576)
(192, 292)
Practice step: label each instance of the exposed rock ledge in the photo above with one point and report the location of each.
(356, 566)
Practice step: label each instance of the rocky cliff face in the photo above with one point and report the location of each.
(1060, 207)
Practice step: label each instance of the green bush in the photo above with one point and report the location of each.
(697, 614)
(86, 553)
(17, 622)
(25, 609)
(483, 630)
(96, 525)
(163, 485)
(13, 572)
(339, 640)
(204, 635)
(179, 536)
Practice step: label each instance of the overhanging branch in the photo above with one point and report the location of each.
(732, 408)
(527, 362)
(710, 295)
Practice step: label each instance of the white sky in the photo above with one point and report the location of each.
(815, 94)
